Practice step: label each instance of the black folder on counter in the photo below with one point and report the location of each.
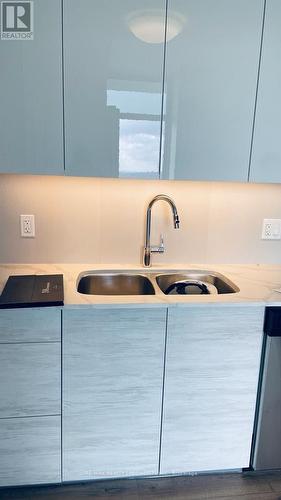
(32, 291)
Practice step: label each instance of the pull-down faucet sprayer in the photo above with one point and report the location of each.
(148, 249)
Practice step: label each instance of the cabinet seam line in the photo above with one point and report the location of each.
(163, 391)
(31, 343)
(163, 90)
(63, 86)
(257, 91)
(31, 416)
(61, 408)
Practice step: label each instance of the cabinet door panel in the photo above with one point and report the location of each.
(113, 375)
(211, 77)
(29, 451)
(212, 368)
(31, 134)
(266, 155)
(30, 325)
(113, 87)
(30, 379)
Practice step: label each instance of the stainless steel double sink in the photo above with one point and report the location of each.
(152, 283)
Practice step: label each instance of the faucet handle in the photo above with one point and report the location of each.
(176, 221)
(160, 248)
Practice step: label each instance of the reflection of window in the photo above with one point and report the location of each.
(139, 131)
(139, 148)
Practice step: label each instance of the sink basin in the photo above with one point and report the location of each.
(184, 282)
(199, 282)
(115, 284)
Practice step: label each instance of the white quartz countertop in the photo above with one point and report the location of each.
(257, 284)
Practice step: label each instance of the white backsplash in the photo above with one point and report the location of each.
(103, 220)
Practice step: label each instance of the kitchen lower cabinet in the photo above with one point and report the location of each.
(266, 153)
(211, 378)
(30, 396)
(31, 125)
(30, 379)
(146, 390)
(113, 361)
(30, 450)
(30, 325)
(212, 58)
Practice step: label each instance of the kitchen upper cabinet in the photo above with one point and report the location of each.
(212, 370)
(31, 131)
(266, 153)
(113, 362)
(212, 60)
(114, 56)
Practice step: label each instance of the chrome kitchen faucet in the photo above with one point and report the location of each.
(148, 249)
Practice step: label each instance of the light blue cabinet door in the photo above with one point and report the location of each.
(211, 76)
(114, 55)
(113, 362)
(31, 132)
(30, 450)
(266, 153)
(211, 379)
(30, 382)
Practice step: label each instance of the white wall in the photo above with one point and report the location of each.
(102, 220)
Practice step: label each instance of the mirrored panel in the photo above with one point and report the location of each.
(212, 58)
(114, 53)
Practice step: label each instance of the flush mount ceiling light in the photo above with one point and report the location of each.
(148, 25)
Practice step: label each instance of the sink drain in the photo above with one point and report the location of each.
(190, 287)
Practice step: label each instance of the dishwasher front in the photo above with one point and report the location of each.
(267, 444)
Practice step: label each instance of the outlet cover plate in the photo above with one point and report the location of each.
(27, 226)
(271, 229)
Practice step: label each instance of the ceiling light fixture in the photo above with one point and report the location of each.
(149, 25)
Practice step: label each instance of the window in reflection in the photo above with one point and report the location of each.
(139, 148)
(138, 130)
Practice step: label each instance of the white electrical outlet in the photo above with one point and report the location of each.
(271, 229)
(27, 226)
